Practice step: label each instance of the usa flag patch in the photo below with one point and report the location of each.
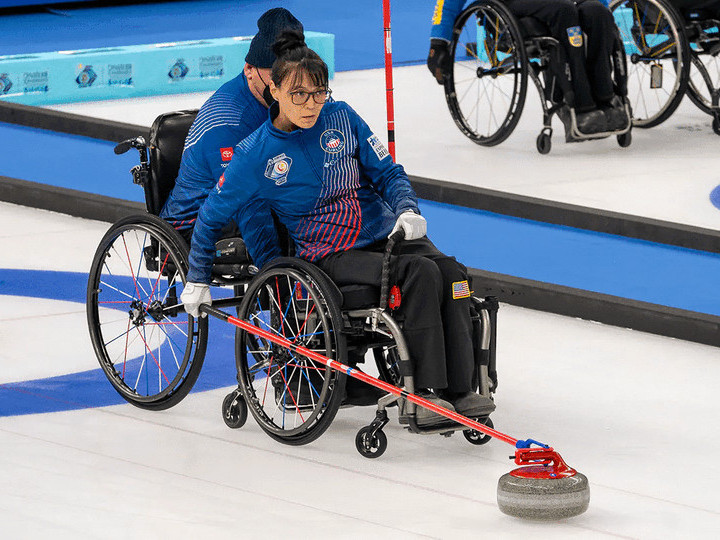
(460, 289)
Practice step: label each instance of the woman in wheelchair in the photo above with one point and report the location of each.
(588, 65)
(317, 166)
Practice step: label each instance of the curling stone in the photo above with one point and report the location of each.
(538, 492)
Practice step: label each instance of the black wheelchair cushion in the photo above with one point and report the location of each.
(360, 296)
(167, 139)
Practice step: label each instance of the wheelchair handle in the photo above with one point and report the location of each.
(137, 142)
(389, 247)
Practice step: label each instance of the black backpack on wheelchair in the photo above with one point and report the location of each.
(152, 351)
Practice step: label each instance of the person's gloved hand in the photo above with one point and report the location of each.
(413, 224)
(194, 295)
(439, 61)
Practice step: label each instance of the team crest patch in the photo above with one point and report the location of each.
(332, 141)
(575, 36)
(278, 168)
(460, 289)
(378, 147)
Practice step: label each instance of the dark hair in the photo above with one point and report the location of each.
(294, 58)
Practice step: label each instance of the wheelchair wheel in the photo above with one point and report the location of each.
(655, 42)
(293, 398)
(150, 351)
(704, 82)
(486, 89)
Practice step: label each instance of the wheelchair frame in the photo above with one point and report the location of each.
(513, 51)
(172, 344)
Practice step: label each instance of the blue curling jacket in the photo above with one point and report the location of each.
(226, 118)
(333, 186)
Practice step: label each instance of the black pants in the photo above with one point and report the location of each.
(591, 72)
(437, 328)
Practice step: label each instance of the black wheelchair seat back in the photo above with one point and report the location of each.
(167, 139)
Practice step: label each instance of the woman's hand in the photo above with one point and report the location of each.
(193, 296)
(413, 224)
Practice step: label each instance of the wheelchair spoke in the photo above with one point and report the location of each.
(141, 250)
(486, 106)
(658, 58)
(149, 349)
(296, 398)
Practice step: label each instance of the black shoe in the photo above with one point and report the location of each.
(438, 61)
(471, 404)
(591, 122)
(425, 417)
(615, 114)
(588, 122)
(360, 394)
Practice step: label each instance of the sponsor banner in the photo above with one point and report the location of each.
(133, 71)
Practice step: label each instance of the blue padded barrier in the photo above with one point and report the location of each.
(133, 71)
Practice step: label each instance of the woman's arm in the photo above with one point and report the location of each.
(388, 178)
(235, 196)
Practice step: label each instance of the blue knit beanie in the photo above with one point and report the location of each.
(270, 24)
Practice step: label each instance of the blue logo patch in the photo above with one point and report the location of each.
(179, 70)
(332, 141)
(575, 36)
(278, 168)
(86, 77)
(5, 83)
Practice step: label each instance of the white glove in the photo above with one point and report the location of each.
(413, 224)
(193, 295)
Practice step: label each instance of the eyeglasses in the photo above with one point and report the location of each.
(319, 96)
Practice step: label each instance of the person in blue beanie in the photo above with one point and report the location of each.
(597, 107)
(318, 167)
(232, 113)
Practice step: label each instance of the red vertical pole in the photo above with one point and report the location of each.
(389, 79)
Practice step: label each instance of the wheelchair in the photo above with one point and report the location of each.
(673, 51)
(152, 351)
(494, 53)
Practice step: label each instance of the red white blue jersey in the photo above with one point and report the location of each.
(227, 117)
(333, 186)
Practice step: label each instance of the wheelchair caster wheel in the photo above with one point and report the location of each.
(369, 445)
(543, 143)
(234, 410)
(477, 437)
(716, 125)
(624, 140)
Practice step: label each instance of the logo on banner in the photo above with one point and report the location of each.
(86, 77)
(278, 168)
(332, 141)
(211, 66)
(226, 153)
(119, 75)
(178, 70)
(575, 36)
(5, 83)
(35, 81)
